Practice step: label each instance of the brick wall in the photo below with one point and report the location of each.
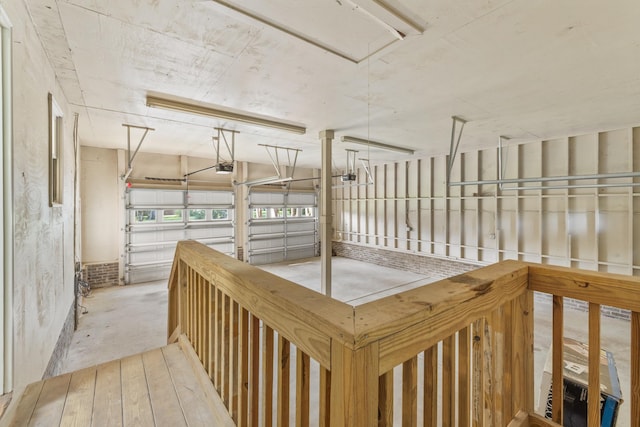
(443, 268)
(432, 266)
(100, 275)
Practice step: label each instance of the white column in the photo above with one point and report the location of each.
(326, 212)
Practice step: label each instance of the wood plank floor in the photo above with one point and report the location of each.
(156, 388)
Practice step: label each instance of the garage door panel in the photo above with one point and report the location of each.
(267, 258)
(210, 198)
(283, 227)
(271, 199)
(168, 216)
(259, 229)
(305, 226)
(298, 240)
(267, 243)
(210, 233)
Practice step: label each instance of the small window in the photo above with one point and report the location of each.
(142, 216)
(197, 214)
(56, 126)
(307, 212)
(258, 213)
(220, 214)
(172, 215)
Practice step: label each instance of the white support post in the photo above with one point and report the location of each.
(326, 212)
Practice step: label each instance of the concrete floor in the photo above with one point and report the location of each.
(132, 319)
(121, 321)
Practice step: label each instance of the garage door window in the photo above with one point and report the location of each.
(197, 214)
(220, 214)
(172, 215)
(142, 216)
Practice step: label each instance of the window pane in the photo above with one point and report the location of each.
(259, 213)
(172, 215)
(197, 214)
(145, 216)
(220, 214)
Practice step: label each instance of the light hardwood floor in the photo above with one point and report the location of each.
(156, 388)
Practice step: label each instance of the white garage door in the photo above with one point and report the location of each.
(282, 226)
(158, 219)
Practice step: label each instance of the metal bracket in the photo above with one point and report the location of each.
(350, 174)
(222, 137)
(502, 165)
(453, 148)
(275, 154)
(130, 157)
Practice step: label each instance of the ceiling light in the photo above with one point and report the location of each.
(186, 107)
(375, 144)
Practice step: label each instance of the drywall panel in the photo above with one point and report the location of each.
(99, 190)
(44, 236)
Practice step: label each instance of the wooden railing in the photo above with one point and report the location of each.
(459, 351)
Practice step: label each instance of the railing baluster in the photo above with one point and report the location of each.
(489, 375)
(324, 413)
(463, 377)
(233, 359)
(226, 343)
(194, 311)
(477, 378)
(430, 385)
(385, 399)
(594, 365)
(523, 353)
(254, 375)
(410, 392)
(507, 380)
(211, 313)
(557, 376)
(243, 367)
(218, 338)
(302, 389)
(267, 372)
(284, 349)
(183, 285)
(202, 319)
(498, 365)
(448, 381)
(199, 312)
(206, 330)
(635, 369)
(190, 313)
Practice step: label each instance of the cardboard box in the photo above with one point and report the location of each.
(576, 381)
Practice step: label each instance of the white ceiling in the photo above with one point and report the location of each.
(521, 68)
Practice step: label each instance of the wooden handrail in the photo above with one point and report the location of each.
(482, 321)
(307, 318)
(615, 290)
(406, 323)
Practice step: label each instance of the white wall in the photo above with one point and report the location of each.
(102, 190)
(99, 198)
(410, 208)
(43, 240)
